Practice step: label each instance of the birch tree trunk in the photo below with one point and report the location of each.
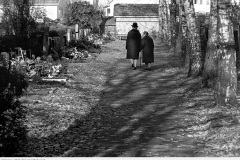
(178, 49)
(164, 20)
(167, 24)
(226, 88)
(161, 20)
(195, 56)
(173, 23)
(183, 30)
(211, 60)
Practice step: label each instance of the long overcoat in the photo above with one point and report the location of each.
(147, 47)
(133, 44)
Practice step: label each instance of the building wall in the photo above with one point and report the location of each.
(236, 1)
(72, 1)
(123, 24)
(111, 29)
(1, 13)
(51, 10)
(202, 6)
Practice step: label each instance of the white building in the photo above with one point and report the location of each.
(54, 9)
(1, 12)
(47, 7)
(202, 6)
(110, 9)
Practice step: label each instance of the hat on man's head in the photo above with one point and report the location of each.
(134, 24)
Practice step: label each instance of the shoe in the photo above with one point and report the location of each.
(132, 65)
(135, 68)
(149, 69)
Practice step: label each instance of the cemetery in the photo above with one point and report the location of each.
(127, 78)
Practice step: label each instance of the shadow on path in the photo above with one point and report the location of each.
(139, 114)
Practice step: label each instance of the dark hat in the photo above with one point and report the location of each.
(134, 25)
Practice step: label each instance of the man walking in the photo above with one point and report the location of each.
(147, 47)
(133, 45)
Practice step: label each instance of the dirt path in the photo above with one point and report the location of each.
(134, 112)
(140, 112)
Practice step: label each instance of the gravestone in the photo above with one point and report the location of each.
(4, 59)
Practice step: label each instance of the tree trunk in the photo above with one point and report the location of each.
(161, 27)
(178, 48)
(173, 22)
(226, 88)
(195, 56)
(237, 47)
(102, 25)
(164, 16)
(184, 35)
(211, 60)
(168, 24)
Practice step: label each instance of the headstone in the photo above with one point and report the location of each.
(81, 32)
(76, 31)
(68, 35)
(85, 32)
(4, 59)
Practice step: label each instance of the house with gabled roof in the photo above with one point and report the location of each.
(54, 9)
(47, 7)
(146, 15)
(110, 7)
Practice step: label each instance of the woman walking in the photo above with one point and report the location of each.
(147, 47)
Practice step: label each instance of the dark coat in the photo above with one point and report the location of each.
(133, 44)
(147, 47)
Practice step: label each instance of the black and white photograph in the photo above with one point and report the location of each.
(119, 78)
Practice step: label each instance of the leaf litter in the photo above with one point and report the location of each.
(56, 119)
(55, 126)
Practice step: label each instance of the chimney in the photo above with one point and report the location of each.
(95, 3)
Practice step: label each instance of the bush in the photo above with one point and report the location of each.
(108, 37)
(82, 43)
(12, 113)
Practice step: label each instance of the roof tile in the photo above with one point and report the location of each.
(135, 9)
